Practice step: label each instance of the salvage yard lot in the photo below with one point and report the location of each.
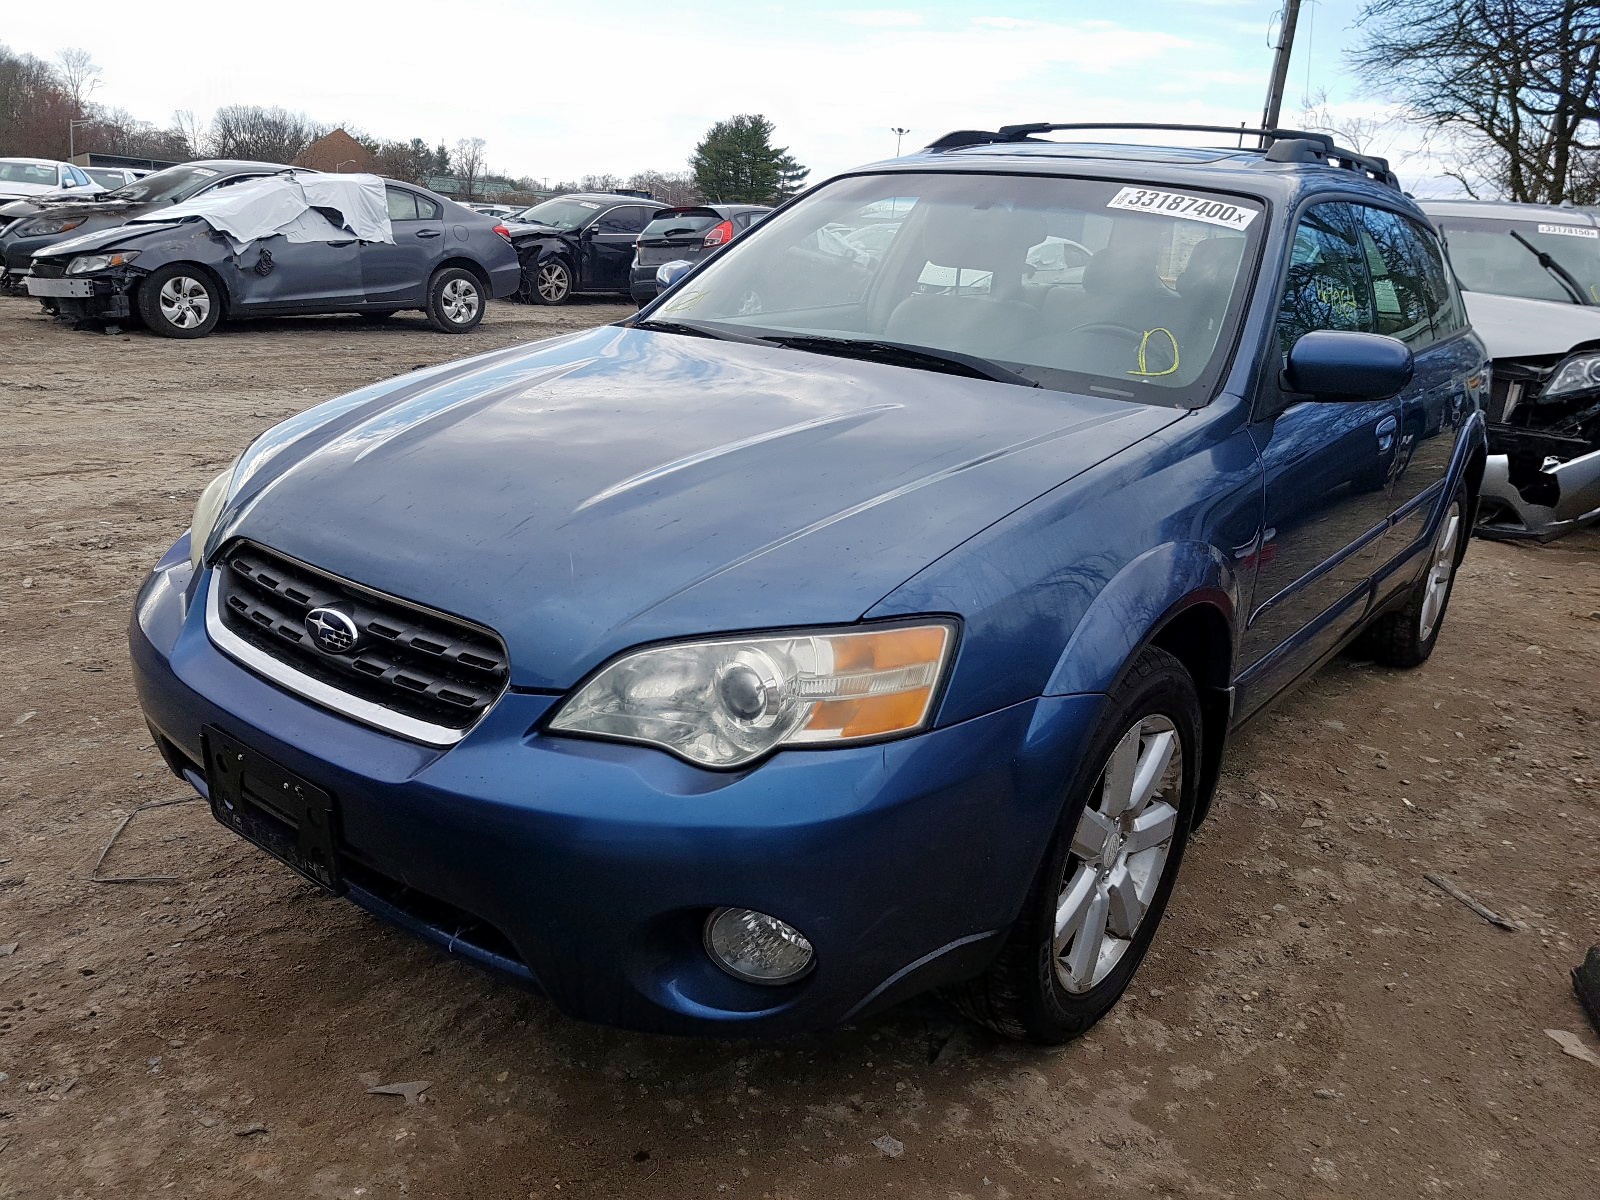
(1315, 1019)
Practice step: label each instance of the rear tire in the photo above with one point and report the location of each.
(179, 301)
(1406, 638)
(455, 300)
(1098, 898)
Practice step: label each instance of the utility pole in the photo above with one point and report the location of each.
(898, 134)
(1280, 64)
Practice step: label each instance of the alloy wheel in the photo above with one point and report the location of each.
(459, 301)
(553, 282)
(1436, 587)
(185, 302)
(1119, 852)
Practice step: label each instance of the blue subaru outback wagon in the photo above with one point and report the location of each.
(870, 613)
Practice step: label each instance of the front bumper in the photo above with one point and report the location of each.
(85, 297)
(1540, 502)
(588, 868)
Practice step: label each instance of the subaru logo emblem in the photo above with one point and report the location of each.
(332, 631)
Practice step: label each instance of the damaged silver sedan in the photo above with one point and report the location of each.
(1531, 278)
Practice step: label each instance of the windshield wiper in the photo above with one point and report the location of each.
(926, 358)
(695, 329)
(1563, 276)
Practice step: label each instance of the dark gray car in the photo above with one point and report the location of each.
(30, 225)
(407, 248)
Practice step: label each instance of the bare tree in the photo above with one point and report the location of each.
(467, 162)
(80, 75)
(1515, 84)
(670, 187)
(1364, 135)
(268, 134)
(196, 137)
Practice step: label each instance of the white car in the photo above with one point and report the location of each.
(1530, 276)
(25, 178)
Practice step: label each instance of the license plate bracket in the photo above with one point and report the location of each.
(291, 819)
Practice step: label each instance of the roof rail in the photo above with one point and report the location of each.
(1280, 145)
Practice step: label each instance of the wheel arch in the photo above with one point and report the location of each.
(224, 297)
(1184, 598)
(466, 264)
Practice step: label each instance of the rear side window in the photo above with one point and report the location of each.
(1327, 285)
(427, 210)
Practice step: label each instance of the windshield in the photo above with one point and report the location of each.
(1071, 284)
(1487, 258)
(103, 177)
(41, 174)
(175, 183)
(561, 213)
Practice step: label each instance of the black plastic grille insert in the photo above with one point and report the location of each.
(419, 662)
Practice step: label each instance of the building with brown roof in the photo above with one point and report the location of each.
(336, 151)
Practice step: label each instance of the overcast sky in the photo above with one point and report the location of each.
(562, 90)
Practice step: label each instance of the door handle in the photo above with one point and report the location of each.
(428, 233)
(1386, 431)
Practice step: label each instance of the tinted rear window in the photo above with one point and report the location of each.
(693, 221)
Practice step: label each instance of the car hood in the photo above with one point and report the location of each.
(101, 239)
(619, 486)
(1515, 327)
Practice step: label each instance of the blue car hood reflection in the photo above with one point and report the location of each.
(592, 493)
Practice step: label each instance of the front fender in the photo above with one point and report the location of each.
(1137, 602)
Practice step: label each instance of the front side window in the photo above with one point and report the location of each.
(1327, 285)
(1072, 284)
(402, 204)
(1403, 296)
(1503, 257)
(630, 218)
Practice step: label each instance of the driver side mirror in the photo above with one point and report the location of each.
(1332, 365)
(588, 231)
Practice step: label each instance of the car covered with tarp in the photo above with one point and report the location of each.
(283, 245)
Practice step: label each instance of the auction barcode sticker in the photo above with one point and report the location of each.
(1190, 208)
(1571, 230)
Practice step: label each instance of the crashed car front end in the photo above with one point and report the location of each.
(87, 287)
(1542, 479)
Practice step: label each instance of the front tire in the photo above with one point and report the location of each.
(1100, 893)
(455, 300)
(1406, 637)
(179, 301)
(551, 283)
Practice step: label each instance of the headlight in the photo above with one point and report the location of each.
(86, 263)
(1580, 373)
(206, 510)
(46, 225)
(727, 702)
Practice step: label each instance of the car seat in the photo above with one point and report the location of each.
(988, 325)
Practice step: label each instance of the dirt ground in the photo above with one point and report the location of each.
(1315, 1020)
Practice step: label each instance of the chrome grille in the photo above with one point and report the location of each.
(426, 665)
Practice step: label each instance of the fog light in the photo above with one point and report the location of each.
(755, 947)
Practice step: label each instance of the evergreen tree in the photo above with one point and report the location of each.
(736, 163)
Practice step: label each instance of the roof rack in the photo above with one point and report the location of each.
(1280, 145)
